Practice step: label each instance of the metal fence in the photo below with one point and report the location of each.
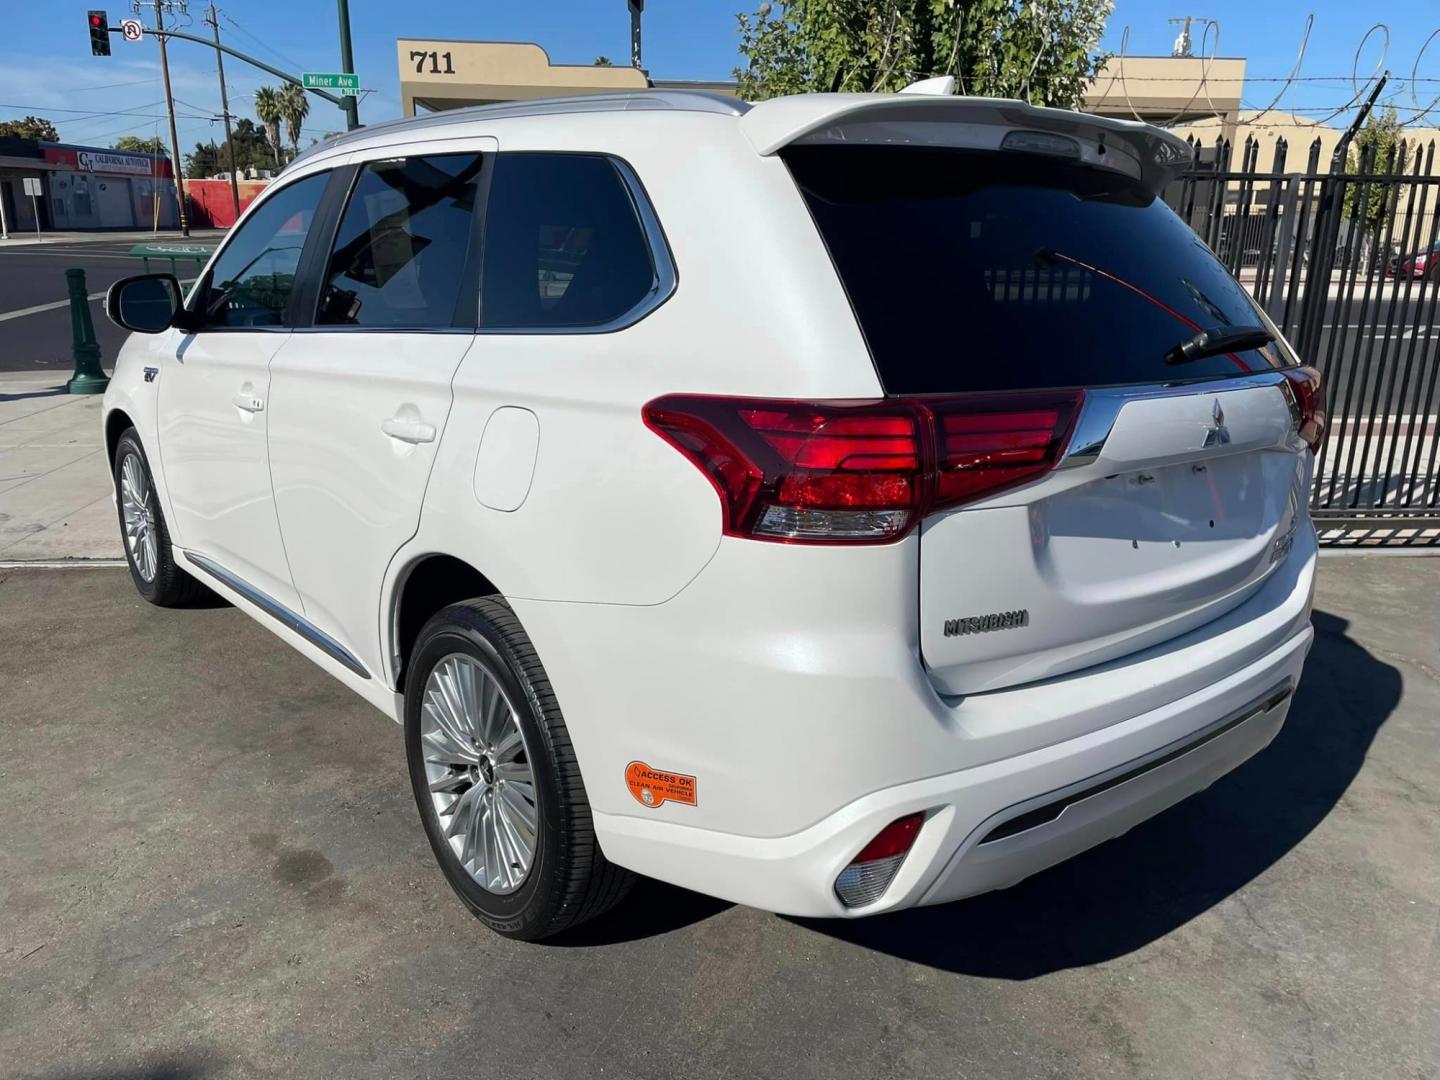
(1347, 263)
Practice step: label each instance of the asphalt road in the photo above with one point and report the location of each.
(34, 275)
(210, 866)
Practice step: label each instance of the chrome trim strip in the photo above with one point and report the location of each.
(1102, 408)
(1051, 810)
(278, 611)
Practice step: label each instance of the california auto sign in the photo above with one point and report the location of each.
(102, 161)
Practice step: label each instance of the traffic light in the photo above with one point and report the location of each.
(99, 33)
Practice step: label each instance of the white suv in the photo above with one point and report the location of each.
(835, 505)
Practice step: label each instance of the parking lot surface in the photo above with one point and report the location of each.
(210, 866)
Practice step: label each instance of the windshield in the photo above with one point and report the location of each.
(976, 271)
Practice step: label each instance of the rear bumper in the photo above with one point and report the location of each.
(792, 691)
(1108, 781)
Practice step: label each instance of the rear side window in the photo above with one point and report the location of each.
(252, 280)
(976, 271)
(564, 246)
(399, 254)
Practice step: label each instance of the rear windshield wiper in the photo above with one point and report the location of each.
(1219, 340)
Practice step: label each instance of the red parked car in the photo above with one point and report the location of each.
(1417, 264)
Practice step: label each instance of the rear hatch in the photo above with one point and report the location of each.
(1033, 275)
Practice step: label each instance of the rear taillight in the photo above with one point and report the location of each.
(860, 471)
(869, 874)
(1307, 405)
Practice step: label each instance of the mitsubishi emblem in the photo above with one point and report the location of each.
(1219, 434)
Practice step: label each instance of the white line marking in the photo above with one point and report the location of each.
(38, 308)
(88, 255)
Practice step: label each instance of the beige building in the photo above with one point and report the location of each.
(437, 75)
(440, 74)
(1299, 133)
(1192, 96)
(1169, 90)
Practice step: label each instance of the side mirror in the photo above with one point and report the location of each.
(146, 304)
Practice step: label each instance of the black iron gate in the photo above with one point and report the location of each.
(1348, 266)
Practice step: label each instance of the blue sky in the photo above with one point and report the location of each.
(46, 66)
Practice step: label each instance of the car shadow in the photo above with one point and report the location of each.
(1137, 888)
(652, 909)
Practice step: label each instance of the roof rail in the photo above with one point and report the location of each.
(621, 101)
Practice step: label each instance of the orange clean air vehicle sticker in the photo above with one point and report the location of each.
(652, 787)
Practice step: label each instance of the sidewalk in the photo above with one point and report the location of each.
(54, 483)
(20, 238)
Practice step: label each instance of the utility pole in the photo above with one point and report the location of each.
(160, 6)
(637, 7)
(214, 21)
(347, 64)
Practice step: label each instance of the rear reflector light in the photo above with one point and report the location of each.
(1308, 405)
(860, 471)
(870, 873)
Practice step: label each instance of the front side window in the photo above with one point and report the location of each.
(564, 246)
(399, 254)
(252, 280)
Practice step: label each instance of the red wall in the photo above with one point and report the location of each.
(211, 205)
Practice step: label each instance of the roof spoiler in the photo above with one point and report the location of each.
(924, 115)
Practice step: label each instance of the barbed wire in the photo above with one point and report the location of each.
(1115, 73)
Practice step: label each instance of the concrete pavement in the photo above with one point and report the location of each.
(20, 239)
(211, 867)
(55, 484)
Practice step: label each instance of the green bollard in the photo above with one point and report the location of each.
(88, 377)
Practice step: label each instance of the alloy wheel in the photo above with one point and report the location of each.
(137, 508)
(477, 766)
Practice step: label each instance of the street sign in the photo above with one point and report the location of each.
(132, 29)
(32, 188)
(343, 84)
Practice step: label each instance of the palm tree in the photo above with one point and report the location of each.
(294, 108)
(270, 109)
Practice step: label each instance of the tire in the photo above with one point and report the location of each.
(153, 569)
(568, 879)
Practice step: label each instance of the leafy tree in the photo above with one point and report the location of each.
(294, 108)
(1044, 51)
(1375, 150)
(270, 109)
(252, 150)
(136, 145)
(32, 127)
(603, 61)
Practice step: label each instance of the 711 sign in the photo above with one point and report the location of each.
(344, 84)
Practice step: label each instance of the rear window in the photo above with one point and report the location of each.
(974, 271)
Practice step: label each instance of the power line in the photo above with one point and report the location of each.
(272, 51)
(88, 113)
(106, 86)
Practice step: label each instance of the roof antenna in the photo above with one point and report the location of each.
(944, 86)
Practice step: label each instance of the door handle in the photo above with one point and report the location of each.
(248, 403)
(410, 431)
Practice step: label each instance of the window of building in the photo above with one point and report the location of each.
(399, 254)
(564, 246)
